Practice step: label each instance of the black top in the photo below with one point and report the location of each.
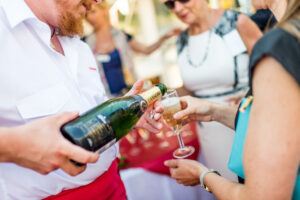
(264, 18)
(280, 45)
(283, 47)
(128, 37)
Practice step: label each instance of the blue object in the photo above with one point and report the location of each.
(235, 163)
(296, 195)
(114, 73)
(128, 37)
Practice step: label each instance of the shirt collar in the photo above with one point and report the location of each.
(17, 11)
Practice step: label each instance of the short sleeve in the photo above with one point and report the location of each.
(128, 37)
(283, 47)
(264, 18)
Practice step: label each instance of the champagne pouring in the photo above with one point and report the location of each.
(172, 105)
(102, 126)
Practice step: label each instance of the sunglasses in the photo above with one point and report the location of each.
(171, 3)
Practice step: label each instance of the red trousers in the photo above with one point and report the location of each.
(108, 186)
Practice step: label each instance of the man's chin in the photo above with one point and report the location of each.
(71, 27)
(70, 33)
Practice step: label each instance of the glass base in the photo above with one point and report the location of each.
(184, 152)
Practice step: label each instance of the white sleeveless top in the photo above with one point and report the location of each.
(214, 65)
(226, 63)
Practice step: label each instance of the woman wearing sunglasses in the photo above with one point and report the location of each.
(266, 149)
(213, 60)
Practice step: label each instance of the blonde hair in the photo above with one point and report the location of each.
(291, 19)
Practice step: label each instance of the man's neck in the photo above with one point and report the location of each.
(41, 10)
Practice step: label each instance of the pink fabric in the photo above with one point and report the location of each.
(149, 153)
(108, 186)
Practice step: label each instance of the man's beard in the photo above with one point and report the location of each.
(69, 23)
(70, 26)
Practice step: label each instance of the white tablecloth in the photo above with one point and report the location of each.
(144, 185)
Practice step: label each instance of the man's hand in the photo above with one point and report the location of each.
(151, 120)
(39, 145)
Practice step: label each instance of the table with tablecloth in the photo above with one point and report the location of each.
(142, 169)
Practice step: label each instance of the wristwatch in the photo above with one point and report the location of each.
(202, 178)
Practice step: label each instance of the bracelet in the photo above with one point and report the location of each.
(202, 178)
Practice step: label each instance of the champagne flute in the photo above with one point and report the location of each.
(172, 105)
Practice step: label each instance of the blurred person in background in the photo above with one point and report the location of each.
(213, 61)
(113, 49)
(264, 19)
(54, 72)
(266, 149)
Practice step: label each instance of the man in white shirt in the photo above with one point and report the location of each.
(45, 69)
(48, 150)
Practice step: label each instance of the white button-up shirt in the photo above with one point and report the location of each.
(36, 81)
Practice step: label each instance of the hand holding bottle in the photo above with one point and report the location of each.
(102, 126)
(152, 124)
(40, 146)
(152, 118)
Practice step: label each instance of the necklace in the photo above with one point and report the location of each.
(206, 48)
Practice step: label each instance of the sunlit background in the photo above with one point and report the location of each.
(147, 20)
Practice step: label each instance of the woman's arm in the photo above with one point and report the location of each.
(272, 153)
(236, 99)
(195, 109)
(182, 91)
(146, 50)
(248, 31)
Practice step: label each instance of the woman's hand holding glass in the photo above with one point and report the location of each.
(194, 109)
(172, 105)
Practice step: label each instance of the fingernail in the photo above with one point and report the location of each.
(175, 116)
(166, 163)
(75, 113)
(159, 125)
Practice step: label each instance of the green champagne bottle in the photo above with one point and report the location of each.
(101, 127)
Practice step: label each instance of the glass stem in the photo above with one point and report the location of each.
(180, 140)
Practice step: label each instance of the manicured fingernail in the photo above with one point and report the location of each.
(159, 125)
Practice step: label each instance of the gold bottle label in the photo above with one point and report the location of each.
(151, 95)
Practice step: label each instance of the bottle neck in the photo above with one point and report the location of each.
(151, 95)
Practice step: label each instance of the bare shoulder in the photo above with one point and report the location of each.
(244, 20)
(269, 71)
(249, 31)
(248, 27)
